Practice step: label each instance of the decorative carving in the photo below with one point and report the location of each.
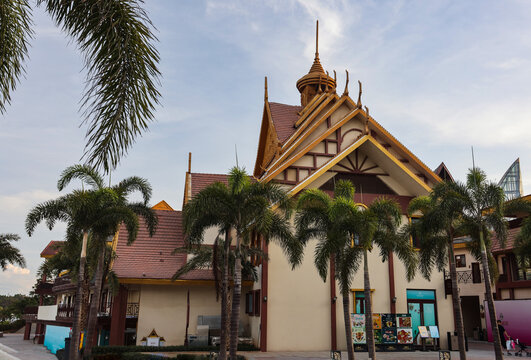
(359, 96)
(345, 93)
(366, 130)
(319, 90)
(326, 86)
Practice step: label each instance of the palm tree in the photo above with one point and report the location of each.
(482, 204)
(381, 227)
(120, 210)
(320, 217)
(441, 216)
(245, 208)
(214, 257)
(8, 253)
(116, 40)
(87, 212)
(522, 243)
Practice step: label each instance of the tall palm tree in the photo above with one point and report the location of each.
(323, 218)
(482, 205)
(120, 210)
(437, 228)
(245, 208)
(381, 228)
(86, 212)
(116, 40)
(8, 253)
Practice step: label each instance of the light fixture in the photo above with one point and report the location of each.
(265, 298)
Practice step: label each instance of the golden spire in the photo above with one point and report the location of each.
(317, 79)
(317, 40)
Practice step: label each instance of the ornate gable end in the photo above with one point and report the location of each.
(268, 143)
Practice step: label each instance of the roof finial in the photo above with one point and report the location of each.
(359, 96)
(317, 40)
(319, 90)
(335, 77)
(265, 92)
(345, 93)
(189, 162)
(326, 86)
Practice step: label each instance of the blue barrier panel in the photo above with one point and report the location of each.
(54, 339)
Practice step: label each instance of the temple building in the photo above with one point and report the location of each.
(311, 145)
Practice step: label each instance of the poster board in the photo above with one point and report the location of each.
(434, 331)
(358, 329)
(423, 331)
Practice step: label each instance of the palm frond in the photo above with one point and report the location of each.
(116, 40)
(85, 173)
(15, 33)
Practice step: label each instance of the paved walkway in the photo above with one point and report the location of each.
(477, 351)
(13, 347)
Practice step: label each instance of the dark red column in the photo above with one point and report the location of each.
(27, 331)
(119, 308)
(43, 332)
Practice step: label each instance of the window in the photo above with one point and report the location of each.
(460, 261)
(422, 307)
(415, 238)
(252, 303)
(359, 300)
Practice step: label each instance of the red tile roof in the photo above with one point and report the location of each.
(509, 243)
(151, 257)
(284, 119)
(51, 249)
(200, 181)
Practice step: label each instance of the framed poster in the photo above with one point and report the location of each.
(376, 321)
(424, 332)
(434, 331)
(378, 336)
(358, 335)
(404, 335)
(389, 335)
(403, 320)
(358, 320)
(388, 320)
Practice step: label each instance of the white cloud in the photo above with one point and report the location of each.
(17, 270)
(23, 201)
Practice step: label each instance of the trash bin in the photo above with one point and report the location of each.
(67, 349)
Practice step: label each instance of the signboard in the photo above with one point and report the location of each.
(153, 341)
(392, 332)
(424, 332)
(358, 329)
(434, 331)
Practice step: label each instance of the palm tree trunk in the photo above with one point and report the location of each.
(490, 300)
(74, 346)
(348, 325)
(236, 299)
(95, 304)
(456, 300)
(368, 308)
(224, 299)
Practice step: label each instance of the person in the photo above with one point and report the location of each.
(503, 334)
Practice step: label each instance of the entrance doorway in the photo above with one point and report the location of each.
(422, 307)
(471, 315)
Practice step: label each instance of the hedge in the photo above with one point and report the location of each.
(12, 326)
(132, 349)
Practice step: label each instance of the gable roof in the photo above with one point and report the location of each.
(509, 243)
(375, 129)
(51, 249)
(162, 205)
(152, 257)
(443, 172)
(284, 118)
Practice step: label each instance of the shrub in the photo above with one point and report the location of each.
(131, 349)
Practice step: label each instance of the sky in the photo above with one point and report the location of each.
(441, 76)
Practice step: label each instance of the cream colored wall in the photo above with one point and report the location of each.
(298, 305)
(163, 308)
(522, 293)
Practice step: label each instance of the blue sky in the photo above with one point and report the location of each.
(439, 75)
